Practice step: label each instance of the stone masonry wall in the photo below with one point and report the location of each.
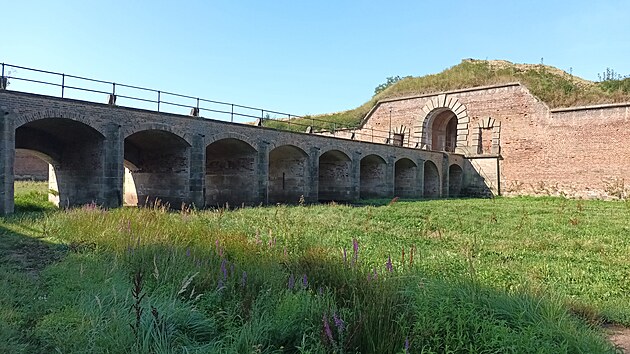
(114, 125)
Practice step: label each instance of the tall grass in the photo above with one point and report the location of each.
(430, 277)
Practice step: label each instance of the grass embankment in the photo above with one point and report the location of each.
(551, 85)
(504, 275)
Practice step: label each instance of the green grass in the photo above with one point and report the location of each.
(553, 86)
(500, 275)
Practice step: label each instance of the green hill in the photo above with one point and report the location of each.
(553, 86)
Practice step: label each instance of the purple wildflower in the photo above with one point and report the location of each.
(291, 282)
(327, 330)
(188, 252)
(389, 265)
(338, 322)
(304, 281)
(224, 268)
(244, 279)
(406, 345)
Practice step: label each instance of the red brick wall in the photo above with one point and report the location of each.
(29, 167)
(579, 152)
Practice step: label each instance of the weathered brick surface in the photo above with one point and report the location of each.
(580, 152)
(29, 167)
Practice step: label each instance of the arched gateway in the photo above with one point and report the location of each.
(443, 125)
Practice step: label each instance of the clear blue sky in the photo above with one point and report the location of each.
(305, 57)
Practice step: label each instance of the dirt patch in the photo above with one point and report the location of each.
(620, 336)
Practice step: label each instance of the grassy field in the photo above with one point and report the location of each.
(480, 275)
(551, 85)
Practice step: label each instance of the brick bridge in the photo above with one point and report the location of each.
(117, 156)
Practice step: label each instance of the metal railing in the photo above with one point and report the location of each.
(157, 100)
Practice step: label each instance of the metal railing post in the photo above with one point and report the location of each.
(158, 102)
(3, 80)
(232, 114)
(113, 89)
(63, 84)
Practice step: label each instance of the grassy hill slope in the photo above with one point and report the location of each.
(551, 85)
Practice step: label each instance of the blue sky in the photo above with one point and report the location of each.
(304, 57)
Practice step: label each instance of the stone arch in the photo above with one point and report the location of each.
(455, 180)
(405, 177)
(161, 162)
(282, 140)
(289, 174)
(434, 107)
(335, 171)
(373, 177)
(151, 126)
(487, 138)
(431, 180)
(231, 135)
(231, 173)
(75, 152)
(57, 114)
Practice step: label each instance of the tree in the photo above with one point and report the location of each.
(390, 81)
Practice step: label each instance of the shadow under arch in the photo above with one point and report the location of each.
(74, 151)
(431, 180)
(231, 173)
(335, 182)
(289, 175)
(373, 178)
(158, 165)
(455, 180)
(406, 179)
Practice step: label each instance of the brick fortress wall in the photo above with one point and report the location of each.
(579, 152)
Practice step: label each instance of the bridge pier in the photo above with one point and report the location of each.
(390, 176)
(197, 171)
(420, 176)
(7, 157)
(263, 172)
(113, 169)
(444, 179)
(355, 175)
(313, 183)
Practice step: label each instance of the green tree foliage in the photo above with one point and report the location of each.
(390, 81)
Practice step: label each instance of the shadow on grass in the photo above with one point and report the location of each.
(254, 295)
